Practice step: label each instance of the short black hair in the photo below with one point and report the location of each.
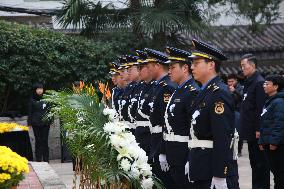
(38, 85)
(217, 64)
(232, 76)
(251, 58)
(276, 80)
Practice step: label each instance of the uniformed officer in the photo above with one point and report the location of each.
(123, 79)
(210, 161)
(162, 90)
(177, 121)
(142, 131)
(132, 76)
(119, 84)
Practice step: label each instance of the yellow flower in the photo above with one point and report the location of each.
(8, 127)
(4, 177)
(11, 162)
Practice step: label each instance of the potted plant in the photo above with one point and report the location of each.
(13, 167)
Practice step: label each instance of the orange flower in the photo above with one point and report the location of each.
(82, 84)
(102, 87)
(108, 94)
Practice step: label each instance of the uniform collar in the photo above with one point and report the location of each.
(206, 84)
(181, 85)
(161, 78)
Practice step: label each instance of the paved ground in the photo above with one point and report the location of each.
(31, 181)
(64, 170)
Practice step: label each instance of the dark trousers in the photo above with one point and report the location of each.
(232, 183)
(41, 143)
(165, 177)
(259, 166)
(276, 162)
(179, 178)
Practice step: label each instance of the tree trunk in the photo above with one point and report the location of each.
(135, 7)
(159, 40)
(6, 98)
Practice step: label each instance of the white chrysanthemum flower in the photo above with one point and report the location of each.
(135, 172)
(145, 168)
(129, 137)
(116, 140)
(147, 183)
(132, 150)
(113, 127)
(110, 127)
(131, 157)
(111, 113)
(125, 164)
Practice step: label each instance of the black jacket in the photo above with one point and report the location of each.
(37, 111)
(116, 96)
(142, 133)
(214, 106)
(272, 120)
(251, 106)
(178, 120)
(160, 96)
(126, 99)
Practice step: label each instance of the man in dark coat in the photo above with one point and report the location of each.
(250, 111)
(237, 93)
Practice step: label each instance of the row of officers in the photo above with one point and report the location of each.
(181, 113)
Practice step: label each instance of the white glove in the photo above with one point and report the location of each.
(186, 168)
(219, 183)
(163, 163)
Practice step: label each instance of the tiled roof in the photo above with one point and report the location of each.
(239, 38)
(265, 69)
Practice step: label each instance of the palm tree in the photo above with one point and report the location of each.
(162, 20)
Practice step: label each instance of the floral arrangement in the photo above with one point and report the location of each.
(12, 168)
(107, 154)
(8, 127)
(131, 157)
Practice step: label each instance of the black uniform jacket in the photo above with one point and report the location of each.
(178, 118)
(116, 96)
(142, 131)
(215, 123)
(161, 94)
(126, 100)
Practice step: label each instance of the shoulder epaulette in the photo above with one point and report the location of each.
(163, 83)
(213, 87)
(190, 87)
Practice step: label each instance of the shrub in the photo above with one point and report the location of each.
(29, 55)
